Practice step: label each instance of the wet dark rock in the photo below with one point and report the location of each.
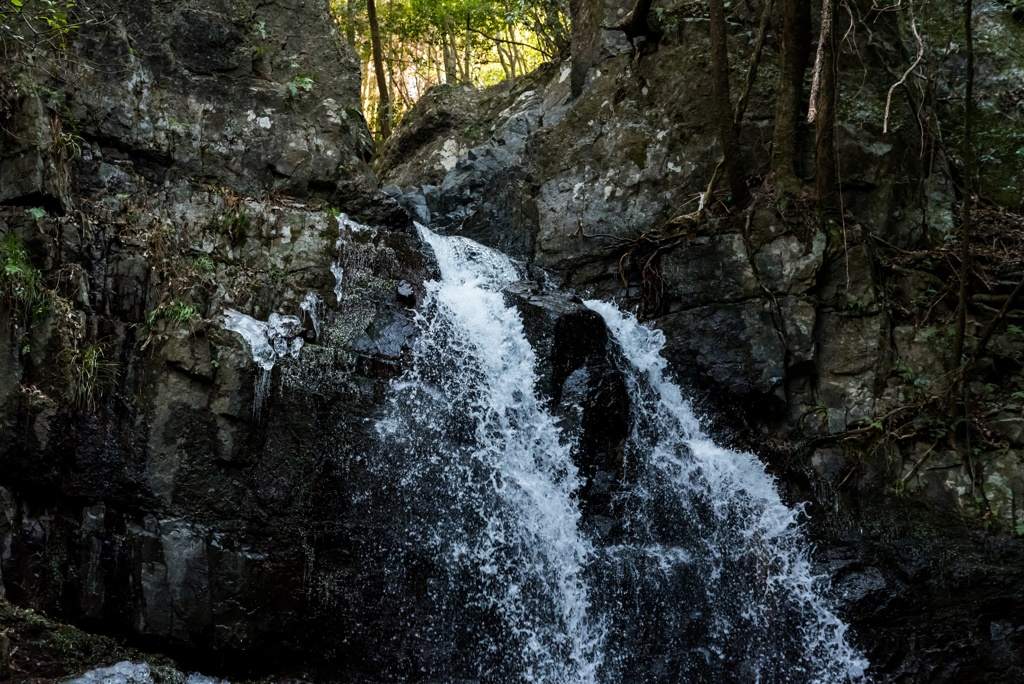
(371, 207)
(578, 369)
(748, 357)
(168, 508)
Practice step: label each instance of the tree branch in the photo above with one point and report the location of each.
(903, 79)
(510, 42)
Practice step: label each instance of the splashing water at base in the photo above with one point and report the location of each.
(747, 606)
(706, 577)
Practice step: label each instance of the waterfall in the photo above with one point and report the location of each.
(706, 577)
(490, 485)
(709, 551)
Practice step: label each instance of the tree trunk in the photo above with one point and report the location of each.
(384, 106)
(514, 50)
(469, 44)
(823, 112)
(350, 23)
(509, 71)
(968, 191)
(794, 51)
(728, 128)
(450, 52)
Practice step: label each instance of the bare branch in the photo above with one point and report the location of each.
(903, 79)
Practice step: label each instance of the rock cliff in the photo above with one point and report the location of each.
(176, 161)
(160, 480)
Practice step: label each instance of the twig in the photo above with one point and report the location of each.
(918, 463)
(986, 335)
(510, 42)
(903, 79)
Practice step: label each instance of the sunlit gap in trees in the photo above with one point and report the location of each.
(424, 43)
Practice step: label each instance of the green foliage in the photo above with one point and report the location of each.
(32, 21)
(20, 283)
(301, 84)
(937, 426)
(204, 263)
(90, 373)
(905, 489)
(904, 371)
(429, 42)
(869, 422)
(175, 313)
(235, 226)
(69, 145)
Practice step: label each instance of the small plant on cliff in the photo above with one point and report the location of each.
(301, 84)
(235, 227)
(175, 313)
(69, 145)
(90, 373)
(204, 264)
(20, 285)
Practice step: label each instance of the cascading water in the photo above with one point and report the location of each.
(705, 577)
(490, 486)
(713, 563)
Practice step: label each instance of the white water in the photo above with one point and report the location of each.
(707, 578)
(268, 341)
(498, 514)
(744, 542)
(313, 306)
(136, 673)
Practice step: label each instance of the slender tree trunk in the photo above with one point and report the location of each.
(795, 48)
(469, 45)
(823, 113)
(509, 69)
(384, 106)
(965, 207)
(513, 49)
(432, 58)
(728, 129)
(399, 82)
(450, 52)
(350, 23)
(367, 86)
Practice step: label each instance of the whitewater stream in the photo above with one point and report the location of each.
(708, 576)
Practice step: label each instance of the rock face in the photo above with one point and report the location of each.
(581, 374)
(159, 477)
(201, 169)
